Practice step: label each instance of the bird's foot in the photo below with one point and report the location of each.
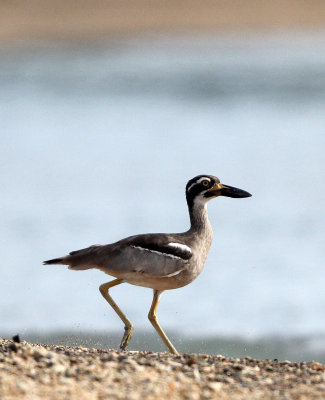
(128, 331)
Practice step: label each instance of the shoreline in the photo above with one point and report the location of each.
(295, 347)
(30, 371)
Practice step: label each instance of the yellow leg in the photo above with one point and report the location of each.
(154, 320)
(128, 329)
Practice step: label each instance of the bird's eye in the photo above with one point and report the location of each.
(205, 183)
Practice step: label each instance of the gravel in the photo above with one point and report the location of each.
(30, 371)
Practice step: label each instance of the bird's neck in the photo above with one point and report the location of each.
(199, 216)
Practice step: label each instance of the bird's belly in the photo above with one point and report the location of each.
(157, 283)
(183, 278)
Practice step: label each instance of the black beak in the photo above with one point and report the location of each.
(230, 191)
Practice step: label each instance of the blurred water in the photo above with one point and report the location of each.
(98, 143)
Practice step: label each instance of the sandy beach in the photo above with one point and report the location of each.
(29, 371)
(22, 21)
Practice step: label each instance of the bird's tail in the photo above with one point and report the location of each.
(80, 259)
(54, 261)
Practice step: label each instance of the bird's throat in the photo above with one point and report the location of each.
(199, 216)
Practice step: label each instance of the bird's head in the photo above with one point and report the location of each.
(205, 187)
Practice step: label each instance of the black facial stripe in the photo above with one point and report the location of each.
(209, 194)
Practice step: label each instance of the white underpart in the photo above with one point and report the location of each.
(157, 252)
(204, 178)
(180, 246)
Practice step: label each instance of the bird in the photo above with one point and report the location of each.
(159, 261)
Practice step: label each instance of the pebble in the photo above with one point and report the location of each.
(70, 373)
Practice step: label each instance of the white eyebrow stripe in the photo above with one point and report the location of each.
(180, 246)
(204, 178)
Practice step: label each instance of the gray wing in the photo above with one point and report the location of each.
(155, 255)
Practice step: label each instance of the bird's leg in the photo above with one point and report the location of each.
(154, 320)
(128, 329)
